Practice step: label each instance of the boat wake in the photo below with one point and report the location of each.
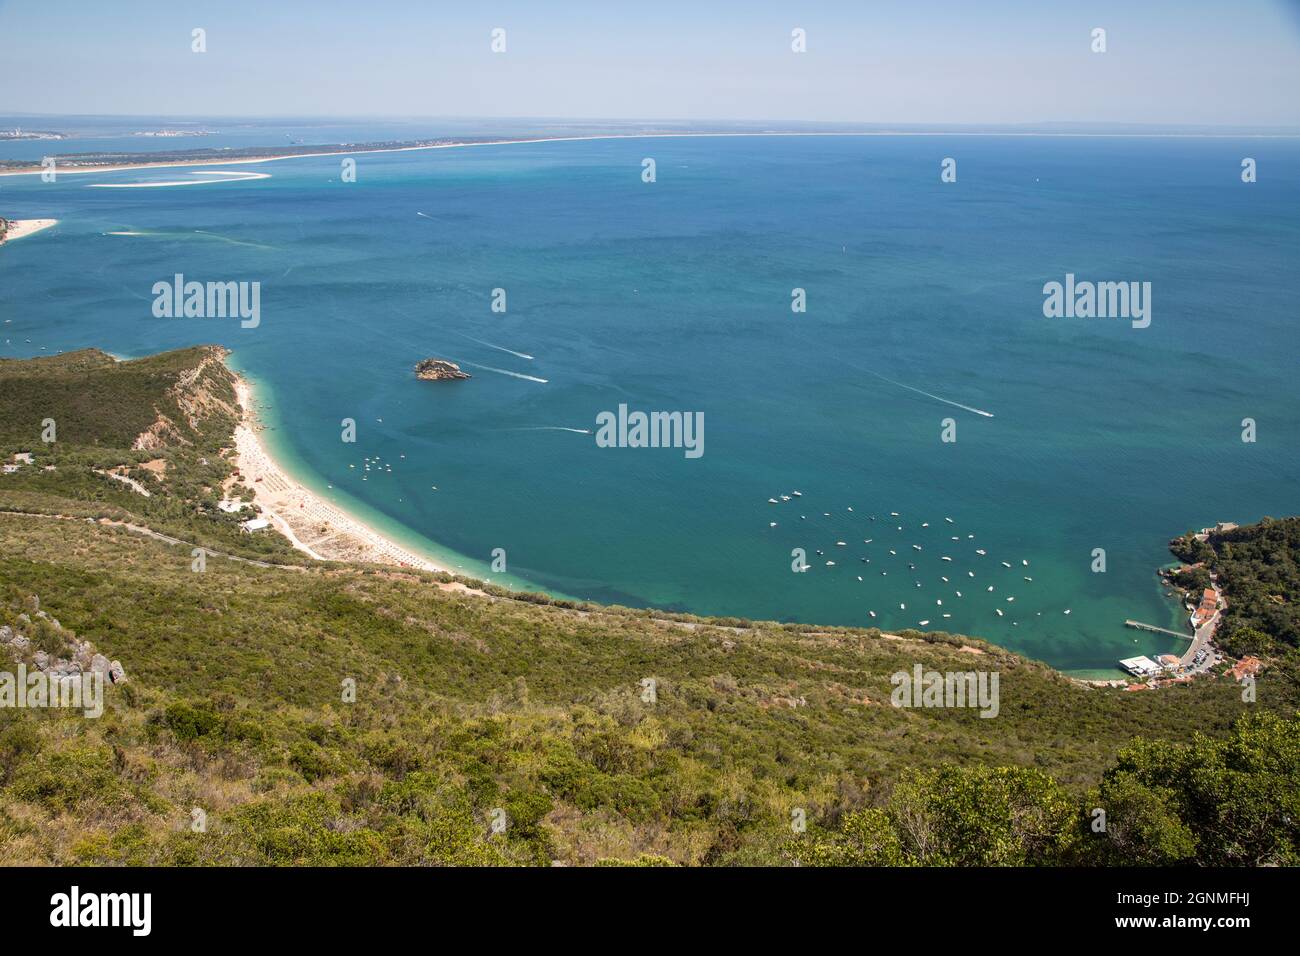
(549, 428)
(190, 235)
(910, 388)
(502, 371)
(501, 348)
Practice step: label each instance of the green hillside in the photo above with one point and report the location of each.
(491, 728)
(1260, 566)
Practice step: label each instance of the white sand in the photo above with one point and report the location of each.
(316, 527)
(18, 228)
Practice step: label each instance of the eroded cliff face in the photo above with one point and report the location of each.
(200, 393)
(438, 370)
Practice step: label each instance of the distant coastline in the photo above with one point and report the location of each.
(116, 162)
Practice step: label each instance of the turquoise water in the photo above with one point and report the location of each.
(676, 296)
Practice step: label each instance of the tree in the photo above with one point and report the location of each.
(1237, 799)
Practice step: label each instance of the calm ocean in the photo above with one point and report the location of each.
(676, 296)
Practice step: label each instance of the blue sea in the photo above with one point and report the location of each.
(922, 296)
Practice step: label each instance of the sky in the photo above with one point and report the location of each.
(1232, 63)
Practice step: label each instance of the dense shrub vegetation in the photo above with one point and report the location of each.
(1259, 565)
(497, 729)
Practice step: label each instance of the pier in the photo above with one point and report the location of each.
(1162, 630)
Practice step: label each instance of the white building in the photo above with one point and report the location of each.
(255, 524)
(1140, 666)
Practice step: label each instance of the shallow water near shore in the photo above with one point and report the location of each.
(676, 296)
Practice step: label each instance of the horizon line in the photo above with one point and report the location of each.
(1272, 128)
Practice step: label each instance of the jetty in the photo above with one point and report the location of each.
(1161, 630)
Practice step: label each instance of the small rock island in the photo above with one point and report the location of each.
(438, 370)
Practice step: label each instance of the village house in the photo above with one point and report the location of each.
(1206, 610)
(1246, 667)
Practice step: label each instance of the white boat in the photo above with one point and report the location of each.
(839, 544)
(990, 588)
(850, 507)
(1010, 599)
(924, 623)
(999, 610)
(892, 551)
(959, 594)
(917, 547)
(945, 558)
(859, 577)
(949, 520)
(1006, 564)
(980, 551)
(944, 580)
(872, 613)
(925, 524)
(971, 573)
(830, 564)
(902, 607)
(1029, 579)
(1067, 611)
(939, 602)
(1024, 562)
(771, 524)
(797, 494)
(893, 514)
(868, 540)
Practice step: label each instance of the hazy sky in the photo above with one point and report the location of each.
(1183, 61)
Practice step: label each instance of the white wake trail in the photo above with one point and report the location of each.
(501, 348)
(977, 411)
(502, 371)
(910, 388)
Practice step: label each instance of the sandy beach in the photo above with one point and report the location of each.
(18, 228)
(314, 526)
